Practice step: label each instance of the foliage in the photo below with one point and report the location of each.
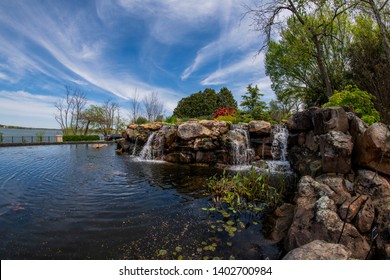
(360, 100)
(243, 191)
(226, 99)
(204, 103)
(171, 120)
(141, 120)
(224, 111)
(197, 104)
(368, 64)
(228, 119)
(76, 138)
(103, 118)
(254, 106)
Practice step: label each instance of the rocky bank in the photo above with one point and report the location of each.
(343, 194)
(341, 207)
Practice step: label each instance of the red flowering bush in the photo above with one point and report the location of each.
(224, 111)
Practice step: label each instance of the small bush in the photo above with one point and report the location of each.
(224, 111)
(77, 138)
(141, 120)
(228, 119)
(171, 120)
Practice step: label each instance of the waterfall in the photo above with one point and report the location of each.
(241, 152)
(154, 147)
(279, 143)
(135, 147)
(147, 150)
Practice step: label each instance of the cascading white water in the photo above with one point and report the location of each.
(154, 147)
(240, 145)
(147, 150)
(135, 147)
(279, 150)
(279, 143)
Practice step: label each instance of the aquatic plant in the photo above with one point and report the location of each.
(243, 191)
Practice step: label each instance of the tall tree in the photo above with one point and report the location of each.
(226, 98)
(103, 118)
(135, 107)
(319, 25)
(153, 106)
(69, 110)
(202, 103)
(253, 104)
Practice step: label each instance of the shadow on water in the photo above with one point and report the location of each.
(76, 202)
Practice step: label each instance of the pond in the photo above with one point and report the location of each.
(76, 202)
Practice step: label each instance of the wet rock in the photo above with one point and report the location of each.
(192, 130)
(301, 121)
(204, 144)
(311, 141)
(180, 157)
(305, 162)
(260, 127)
(205, 157)
(319, 250)
(330, 119)
(371, 146)
(336, 150)
(281, 221)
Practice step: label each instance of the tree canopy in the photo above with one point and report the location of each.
(204, 103)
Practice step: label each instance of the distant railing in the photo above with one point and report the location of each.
(27, 139)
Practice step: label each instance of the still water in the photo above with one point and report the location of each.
(76, 202)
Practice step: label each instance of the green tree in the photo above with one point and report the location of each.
(202, 103)
(102, 118)
(360, 100)
(369, 68)
(252, 103)
(226, 98)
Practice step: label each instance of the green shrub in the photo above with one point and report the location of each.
(77, 138)
(360, 100)
(141, 120)
(171, 120)
(228, 119)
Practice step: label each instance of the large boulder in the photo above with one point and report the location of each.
(260, 127)
(301, 121)
(336, 151)
(330, 119)
(319, 250)
(316, 218)
(372, 148)
(191, 130)
(378, 188)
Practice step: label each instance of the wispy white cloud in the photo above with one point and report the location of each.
(249, 64)
(234, 39)
(26, 109)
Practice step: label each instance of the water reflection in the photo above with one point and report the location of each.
(76, 202)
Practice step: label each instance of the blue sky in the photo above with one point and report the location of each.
(109, 49)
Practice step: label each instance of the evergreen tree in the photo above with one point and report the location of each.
(252, 103)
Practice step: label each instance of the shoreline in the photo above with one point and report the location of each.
(55, 143)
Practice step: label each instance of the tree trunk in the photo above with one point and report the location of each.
(321, 65)
(382, 29)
